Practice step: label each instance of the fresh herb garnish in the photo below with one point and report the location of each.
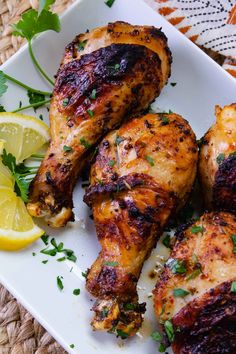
(45, 238)
(232, 154)
(59, 283)
(72, 346)
(121, 334)
(33, 22)
(109, 3)
(85, 274)
(33, 254)
(111, 163)
(67, 148)
(180, 292)
(111, 264)
(233, 287)
(59, 248)
(220, 158)
(166, 241)
(149, 160)
(156, 336)
(129, 307)
(85, 143)
(173, 84)
(197, 229)
(93, 95)
(105, 312)
(22, 175)
(76, 292)
(176, 266)
(194, 274)
(45, 262)
(3, 85)
(169, 330)
(62, 259)
(117, 66)
(90, 113)
(41, 117)
(2, 109)
(35, 97)
(81, 45)
(165, 120)
(65, 102)
(118, 140)
(233, 238)
(162, 348)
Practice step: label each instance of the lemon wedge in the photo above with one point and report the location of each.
(23, 135)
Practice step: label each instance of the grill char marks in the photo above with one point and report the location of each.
(207, 324)
(224, 188)
(107, 70)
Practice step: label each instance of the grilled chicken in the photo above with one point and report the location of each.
(143, 172)
(217, 163)
(195, 300)
(105, 76)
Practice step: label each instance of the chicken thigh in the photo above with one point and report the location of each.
(142, 174)
(105, 76)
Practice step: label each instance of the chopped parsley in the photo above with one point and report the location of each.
(93, 95)
(109, 3)
(45, 238)
(156, 336)
(85, 143)
(67, 148)
(122, 334)
(233, 287)
(41, 117)
(85, 274)
(165, 120)
(150, 160)
(62, 259)
(173, 84)
(2, 109)
(220, 158)
(111, 264)
(90, 113)
(35, 97)
(65, 102)
(59, 283)
(72, 346)
(76, 292)
(117, 66)
(111, 163)
(197, 229)
(233, 238)
(118, 140)
(169, 330)
(105, 312)
(166, 241)
(176, 266)
(180, 292)
(194, 274)
(59, 248)
(81, 45)
(33, 254)
(162, 348)
(45, 262)
(129, 307)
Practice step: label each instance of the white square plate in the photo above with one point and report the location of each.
(201, 84)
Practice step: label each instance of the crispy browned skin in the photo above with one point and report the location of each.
(143, 172)
(127, 66)
(204, 321)
(217, 162)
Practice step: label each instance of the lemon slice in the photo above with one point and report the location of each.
(23, 135)
(17, 229)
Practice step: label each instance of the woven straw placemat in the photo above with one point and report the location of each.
(20, 333)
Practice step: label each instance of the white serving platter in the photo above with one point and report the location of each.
(201, 84)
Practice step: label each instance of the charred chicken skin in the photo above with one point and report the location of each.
(143, 172)
(106, 75)
(217, 162)
(195, 300)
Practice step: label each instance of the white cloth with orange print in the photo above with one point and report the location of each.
(210, 23)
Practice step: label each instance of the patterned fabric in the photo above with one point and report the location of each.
(208, 23)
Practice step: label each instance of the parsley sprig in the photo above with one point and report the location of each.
(34, 22)
(22, 174)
